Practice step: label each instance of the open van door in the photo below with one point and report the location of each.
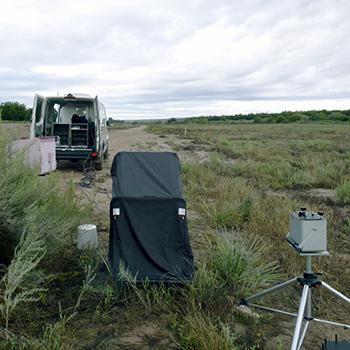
(97, 124)
(37, 127)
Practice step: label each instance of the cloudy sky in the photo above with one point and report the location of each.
(162, 58)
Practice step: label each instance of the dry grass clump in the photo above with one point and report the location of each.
(343, 192)
(233, 267)
(241, 264)
(200, 332)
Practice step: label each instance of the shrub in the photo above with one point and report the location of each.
(14, 111)
(198, 332)
(242, 265)
(23, 195)
(37, 218)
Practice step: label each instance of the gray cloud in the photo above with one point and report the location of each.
(155, 58)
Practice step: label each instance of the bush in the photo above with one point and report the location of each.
(232, 267)
(24, 195)
(36, 219)
(14, 111)
(242, 265)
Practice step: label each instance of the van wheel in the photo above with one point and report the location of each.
(99, 163)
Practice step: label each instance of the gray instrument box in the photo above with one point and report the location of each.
(307, 231)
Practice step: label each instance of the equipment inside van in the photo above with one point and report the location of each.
(78, 122)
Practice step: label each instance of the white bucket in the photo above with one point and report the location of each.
(87, 236)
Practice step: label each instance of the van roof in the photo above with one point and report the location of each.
(71, 96)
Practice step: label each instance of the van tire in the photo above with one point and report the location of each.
(99, 163)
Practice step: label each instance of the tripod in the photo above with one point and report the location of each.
(310, 280)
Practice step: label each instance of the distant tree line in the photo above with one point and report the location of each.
(14, 111)
(283, 117)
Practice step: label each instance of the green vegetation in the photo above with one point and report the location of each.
(197, 331)
(274, 156)
(252, 177)
(14, 111)
(122, 124)
(324, 116)
(239, 196)
(37, 224)
(343, 192)
(28, 202)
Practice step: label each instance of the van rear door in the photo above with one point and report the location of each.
(37, 127)
(98, 126)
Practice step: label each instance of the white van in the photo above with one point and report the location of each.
(78, 122)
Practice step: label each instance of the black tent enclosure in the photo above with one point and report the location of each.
(148, 227)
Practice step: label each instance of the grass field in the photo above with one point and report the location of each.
(255, 174)
(240, 182)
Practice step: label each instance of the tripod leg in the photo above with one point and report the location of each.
(335, 292)
(308, 308)
(269, 290)
(300, 317)
(303, 334)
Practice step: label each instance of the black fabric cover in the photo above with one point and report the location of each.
(151, 239)
(148, 233)
(146, 174)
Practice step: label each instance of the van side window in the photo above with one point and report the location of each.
(39, 104)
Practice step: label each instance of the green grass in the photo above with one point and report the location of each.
(343, 192)
(38, 222)
(241, 266)
(255, 175)
(198, 331)
(26, 198)
(277, 156)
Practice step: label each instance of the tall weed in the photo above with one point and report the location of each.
(19, 282)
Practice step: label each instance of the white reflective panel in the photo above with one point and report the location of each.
(182, 211)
